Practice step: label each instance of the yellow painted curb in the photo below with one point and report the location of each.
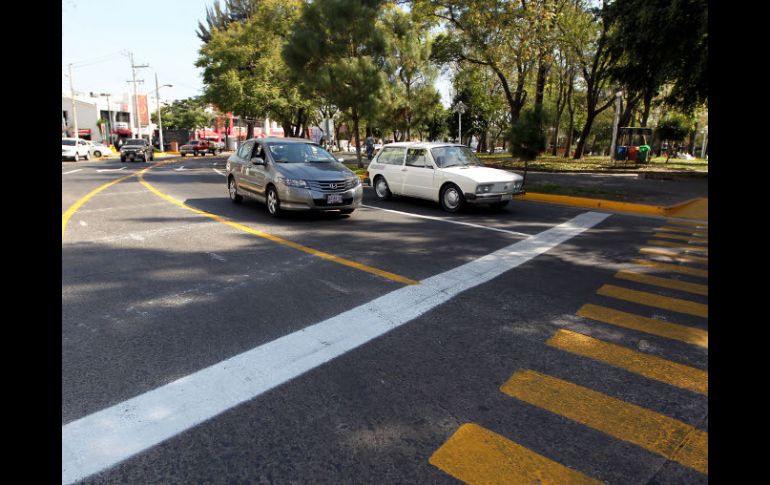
(610, 204)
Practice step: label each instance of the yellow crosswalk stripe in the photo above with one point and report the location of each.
(674, 255)
(682, 237)
(694, 232)
(662, 282)
(680, 246)
(475, 455)
(668, 437)
(658, 301)
(675, 268)
(653, 326)
(647, 365)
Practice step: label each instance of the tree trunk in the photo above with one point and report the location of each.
(358, 138)
(249, 129)
(584, 135)
(542, 72)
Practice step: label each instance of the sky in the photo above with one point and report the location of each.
(97, 34)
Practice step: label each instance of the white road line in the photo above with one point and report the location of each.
(72, 171)
(108, 437)
(220, 173)
(111, 169)
(451, 221)
(219, 258)
(180, 168)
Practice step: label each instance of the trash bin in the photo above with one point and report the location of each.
(644, 153)
(633, 153)
(174, 146)
(621, 153)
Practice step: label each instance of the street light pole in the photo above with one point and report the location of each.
(460, 109)
(157, 102)
(74, 108)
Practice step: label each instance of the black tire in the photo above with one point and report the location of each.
(123, 159)
(98, 154)
(232, 189)
(346, 211)
(451, 198)
(88, 156)
(152, 157)
(272, 202)
(77, 157)
(195, 153)
(381, 188)
(183, 154)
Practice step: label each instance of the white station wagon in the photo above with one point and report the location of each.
(447, 173)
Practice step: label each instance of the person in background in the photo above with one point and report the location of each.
(369, 143)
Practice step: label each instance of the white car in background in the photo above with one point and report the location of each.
(99, 149)
(74, 149)
(447, 173)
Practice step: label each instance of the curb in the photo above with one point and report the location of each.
(608, 204)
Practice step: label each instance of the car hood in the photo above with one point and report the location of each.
(314, 171)
(483, 175)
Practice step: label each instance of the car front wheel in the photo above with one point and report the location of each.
(451, 198)
(98, 154)
(273, 203)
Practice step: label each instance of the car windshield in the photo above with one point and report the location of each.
(134, 141)
(68, 142)
(454, 156)
(299, 153)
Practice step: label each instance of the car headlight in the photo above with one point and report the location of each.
(292, 182)
(355, 182)
(484, 188)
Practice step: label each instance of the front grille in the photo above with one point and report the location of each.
(331, 186)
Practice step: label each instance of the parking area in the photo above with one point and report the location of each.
(204, 341)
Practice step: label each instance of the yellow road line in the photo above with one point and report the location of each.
(74, 207)
(700, 225)
(662, 282)
(680, 246)
(647, 365)
(314, 252)
(653, 326)
(655, 432)
(674, 255)
(682, 237)
(654, 300)
(685, 230)
(676, 268)
(476, 455)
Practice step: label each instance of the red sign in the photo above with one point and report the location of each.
(143, 115)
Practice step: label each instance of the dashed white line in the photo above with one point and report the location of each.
(180, 168)
(72, 171)
(105, 438)
(111, 169)
(220, 173)
(451, 221)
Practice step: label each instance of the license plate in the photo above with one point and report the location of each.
(506, 197)
(334, 199)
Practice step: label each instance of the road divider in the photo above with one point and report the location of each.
(613, 205)
(672, 284)
(654, 300)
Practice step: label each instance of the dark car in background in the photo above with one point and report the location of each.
(136, 149)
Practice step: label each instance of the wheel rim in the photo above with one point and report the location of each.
(451, 198)
(272, 201)
(382, 188)
(233, 192)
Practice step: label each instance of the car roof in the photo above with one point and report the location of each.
(280, 139)
(422, 144)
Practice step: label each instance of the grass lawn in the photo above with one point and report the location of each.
(549, 163)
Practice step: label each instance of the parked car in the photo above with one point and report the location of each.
(447, 173)
(136, 149)
(292, 174)
(197, 147)
(74, 149)
(98, 149)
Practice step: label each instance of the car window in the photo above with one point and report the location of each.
(392, 156)
(68, 142)
(299, 153)
(417, 157)
(454, 156)
(245, 150)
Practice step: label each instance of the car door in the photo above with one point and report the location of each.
(254, 175)
(239, 162)
(392, 161)
(419, 175)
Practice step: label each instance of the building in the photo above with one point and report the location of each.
(93, 107)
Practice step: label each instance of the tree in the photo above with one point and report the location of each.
(243, 71)
(187, 113)
(337, 51)
(218, 18)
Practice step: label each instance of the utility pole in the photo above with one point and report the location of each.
(157, 102)
(615, 124)
(134, 67)
(109, 118)
(74, 107)
(460, 109)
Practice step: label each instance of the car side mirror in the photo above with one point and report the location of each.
(257, 161)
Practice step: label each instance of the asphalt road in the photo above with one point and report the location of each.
(156, 293)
